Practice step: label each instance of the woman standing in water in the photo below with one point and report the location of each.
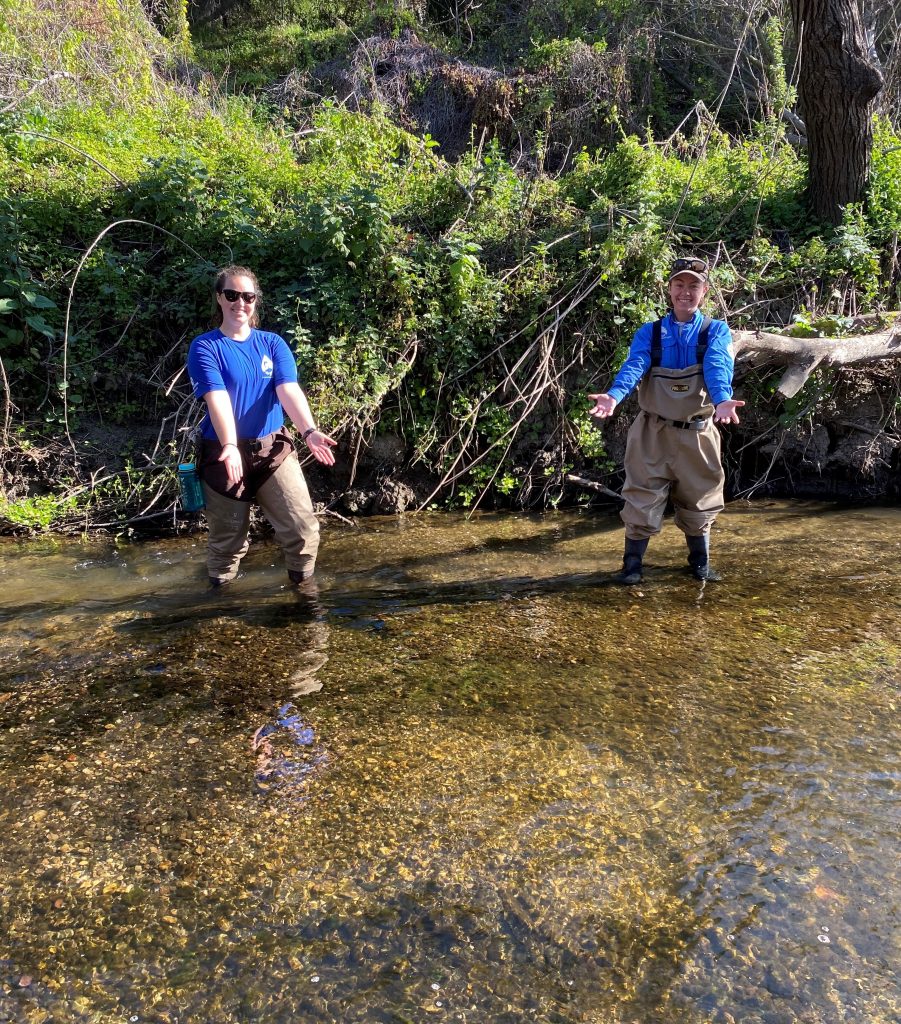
(248, 380)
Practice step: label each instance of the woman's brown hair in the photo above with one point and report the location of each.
(221, 277)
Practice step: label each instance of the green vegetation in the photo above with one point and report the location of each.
(43, 512)
(256, 59)
(460, 305)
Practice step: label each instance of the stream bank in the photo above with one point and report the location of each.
(840, 440)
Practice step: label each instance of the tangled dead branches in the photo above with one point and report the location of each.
(568, 106)
(425, 90)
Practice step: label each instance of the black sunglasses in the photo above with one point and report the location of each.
(232, 296)
(688, 263)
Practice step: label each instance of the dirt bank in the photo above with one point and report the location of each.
(840, 440)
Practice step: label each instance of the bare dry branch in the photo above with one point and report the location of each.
(81, 152)
(81, 263)
(21, 99)
(592, 485)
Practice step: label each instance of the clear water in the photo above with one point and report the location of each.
(467, 780)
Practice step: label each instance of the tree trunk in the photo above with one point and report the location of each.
(836, 88)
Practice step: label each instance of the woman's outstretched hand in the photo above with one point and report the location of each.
(320, 446)
(234, 467)
(603, 405)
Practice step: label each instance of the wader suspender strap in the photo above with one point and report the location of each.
(702, 340)
(657, 347)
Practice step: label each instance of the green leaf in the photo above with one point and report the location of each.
(38, 301)
(7, 305)
(39, 324)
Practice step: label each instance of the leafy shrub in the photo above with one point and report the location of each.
(884, 195)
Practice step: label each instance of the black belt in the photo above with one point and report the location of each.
(258, 444)
(695, 424)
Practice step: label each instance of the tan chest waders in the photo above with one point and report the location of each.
(673, 448)
(273, 478)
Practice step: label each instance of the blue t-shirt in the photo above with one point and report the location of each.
(679, 342)
(249, 371)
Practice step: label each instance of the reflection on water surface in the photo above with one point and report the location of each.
(468, 780)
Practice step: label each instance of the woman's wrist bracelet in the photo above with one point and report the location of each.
(307, 432)
(229, 444)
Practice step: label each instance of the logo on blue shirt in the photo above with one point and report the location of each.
(266, 366)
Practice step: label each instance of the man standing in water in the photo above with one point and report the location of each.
(683, 367)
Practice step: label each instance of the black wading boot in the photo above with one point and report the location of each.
(631, 570)
(699, 558)
(298, 576)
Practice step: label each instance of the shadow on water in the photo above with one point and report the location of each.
(464, 778)
(391, 571)
(361, 608)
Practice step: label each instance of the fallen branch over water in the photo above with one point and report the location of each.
(592, 485)
(802, 356)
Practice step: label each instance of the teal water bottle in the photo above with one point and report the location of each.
(191, 491)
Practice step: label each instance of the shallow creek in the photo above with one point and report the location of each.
(466, 779)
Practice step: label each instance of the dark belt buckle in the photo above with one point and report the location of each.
(695, 424)
(256, 445)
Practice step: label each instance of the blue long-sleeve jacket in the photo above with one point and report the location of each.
(679, 343)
